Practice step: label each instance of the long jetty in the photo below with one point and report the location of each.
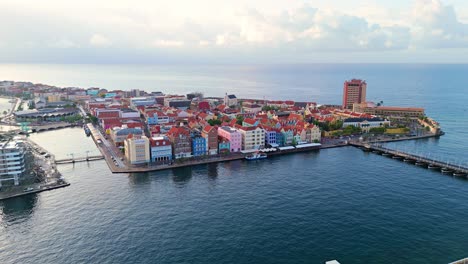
(418, 160)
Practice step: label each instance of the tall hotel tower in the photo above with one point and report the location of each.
(354, 92)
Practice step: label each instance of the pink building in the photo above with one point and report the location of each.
(234, 137)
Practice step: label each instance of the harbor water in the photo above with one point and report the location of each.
(340, 203)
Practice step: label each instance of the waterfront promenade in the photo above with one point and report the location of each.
(116, 162)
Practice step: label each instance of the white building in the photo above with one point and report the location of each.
(129, 113)
(252, 137)
(11, 162)
(230, 100)
(366, 123)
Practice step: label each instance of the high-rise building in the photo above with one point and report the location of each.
(354, 92)
(11, 162)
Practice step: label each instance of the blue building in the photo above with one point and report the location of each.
(110, 95)
(161, 150)
(92, 92)
(198, 146)
(270, 138)
(224, 147)
(153, 118)
(280, 139)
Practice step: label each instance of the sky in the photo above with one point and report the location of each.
(237, 31)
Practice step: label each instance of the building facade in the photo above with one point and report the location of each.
(390, 111)
(210, 134)
(137, 149)
(233, 136)
(11, 162)
(181, 142)
(161, 150)
(198, 146)
(119, 134)
(252, 138)
(366, 123)
(270, 138)
(224, 146)
(354, 91)
(230, 100)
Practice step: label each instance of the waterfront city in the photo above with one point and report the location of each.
(289, 132)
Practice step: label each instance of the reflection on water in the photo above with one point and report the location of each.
(181, 176)
(17, 209)
(212, 170)
(139, 179)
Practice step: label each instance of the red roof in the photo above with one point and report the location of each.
(105, 115)
(159, 142)
(250, 121)
(176, 131)
(208, 128)
(204, 105)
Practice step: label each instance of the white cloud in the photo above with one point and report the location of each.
(225, 29)
(64, 44)
(168, 43)
(437, 26)
(99, 40)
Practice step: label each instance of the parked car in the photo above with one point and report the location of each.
(29, 189)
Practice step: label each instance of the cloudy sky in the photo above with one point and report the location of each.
(237, 31)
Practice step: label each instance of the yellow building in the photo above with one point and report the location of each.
(54, 98)
(391, 111)
(137, 149)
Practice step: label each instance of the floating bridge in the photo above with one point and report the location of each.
(444, 167)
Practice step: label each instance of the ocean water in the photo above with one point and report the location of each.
(304, 208)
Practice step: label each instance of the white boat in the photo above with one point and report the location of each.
(256, 156)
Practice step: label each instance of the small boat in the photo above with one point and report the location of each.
(256, 156)
(422, 164)
(459, 174)
(397, 157)
(433, 167)
(446, 171)
(386, 154)
(408, 160)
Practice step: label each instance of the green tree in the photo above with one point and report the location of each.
(214, 122)
(92, 118)
(240, 119)
(377, 130)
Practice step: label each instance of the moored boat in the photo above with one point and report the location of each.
(422, 164)
(433, 167)
(446, 171)
(459, 174)
(256, 156)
